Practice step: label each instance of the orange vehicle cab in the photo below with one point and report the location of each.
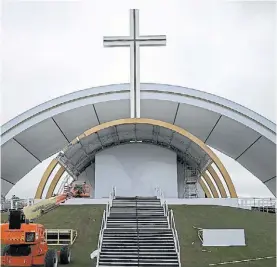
(25, 245)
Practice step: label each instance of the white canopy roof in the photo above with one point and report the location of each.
(226, 126)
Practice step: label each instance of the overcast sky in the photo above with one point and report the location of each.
(223, 47)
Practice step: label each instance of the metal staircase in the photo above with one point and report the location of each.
(138, 231)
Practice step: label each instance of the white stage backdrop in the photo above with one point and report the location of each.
(135, 170)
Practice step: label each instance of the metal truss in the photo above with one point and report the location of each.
(124, 137)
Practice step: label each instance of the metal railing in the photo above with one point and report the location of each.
(265, 203)
(60, 237)
(160, 195)
(112, 193)
(15, 204)
(175, 234)
(170, 220)
(106, 213)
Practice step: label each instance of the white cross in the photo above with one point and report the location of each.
(134, 41)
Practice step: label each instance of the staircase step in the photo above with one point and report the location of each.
(137, 234)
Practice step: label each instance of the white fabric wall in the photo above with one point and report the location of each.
(135, 170)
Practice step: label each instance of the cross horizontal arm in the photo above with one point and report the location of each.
(117, 41)
(152, 40)
(152, 37)
(151, 43)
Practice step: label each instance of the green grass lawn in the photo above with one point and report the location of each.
(260, 230)
(86, 219)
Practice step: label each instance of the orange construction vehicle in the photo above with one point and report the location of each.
(25, 244)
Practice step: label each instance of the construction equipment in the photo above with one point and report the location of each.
(44, 206)
(80, 190)
(26, 245)
(60, 237)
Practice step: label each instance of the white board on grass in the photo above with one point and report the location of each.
(223, 237)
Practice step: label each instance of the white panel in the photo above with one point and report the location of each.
(43, 139)
(260, 159)
(113, 110)
(135, 169)
(76, 121)
(271, 184)
(223, 237)
(15, 161)
(197, 121)
(231, 137)
(158, 110)
(5, 187)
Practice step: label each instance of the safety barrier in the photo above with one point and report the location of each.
(106, 213)
(60, 237)
(171, 221)
(267, 204)
(175, 234)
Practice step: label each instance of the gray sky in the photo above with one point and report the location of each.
(222, 47)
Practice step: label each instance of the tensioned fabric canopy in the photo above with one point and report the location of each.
(226, 126)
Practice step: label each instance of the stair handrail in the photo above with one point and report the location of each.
(175, 234)
(112, 193)
(160, 195)
(106, 213)
(101, 234)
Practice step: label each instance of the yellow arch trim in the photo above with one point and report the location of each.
(55, 181)
(45, 178)
(210, 184)
(218, 182)
(172, 127)
(205, 188)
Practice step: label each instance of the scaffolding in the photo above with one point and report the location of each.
(191, 179)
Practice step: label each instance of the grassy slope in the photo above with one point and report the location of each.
(86, 219)
(259, 228)
(260, 231)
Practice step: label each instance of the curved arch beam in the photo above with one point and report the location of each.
(45, 178)
(218, 182)
(205, 188)
(55, 181)
(150, 91)
(174, 128)
(210, 185)
(177, 129)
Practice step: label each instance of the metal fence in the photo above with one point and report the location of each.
(8, 204)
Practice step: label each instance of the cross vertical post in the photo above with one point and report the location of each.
(134, 41)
